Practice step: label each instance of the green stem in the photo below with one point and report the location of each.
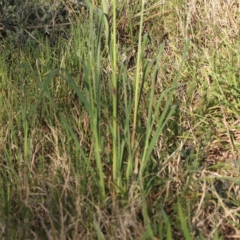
(114, 77)
(136, 82)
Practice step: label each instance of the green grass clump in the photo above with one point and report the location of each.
(127, 128)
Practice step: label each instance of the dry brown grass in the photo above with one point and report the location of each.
(196, 159)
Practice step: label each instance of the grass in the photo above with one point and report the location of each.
(127, 130)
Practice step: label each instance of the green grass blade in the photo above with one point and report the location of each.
(183, 223)
(136, 83)
(164, 116)
(116, 170)
(168, 225)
